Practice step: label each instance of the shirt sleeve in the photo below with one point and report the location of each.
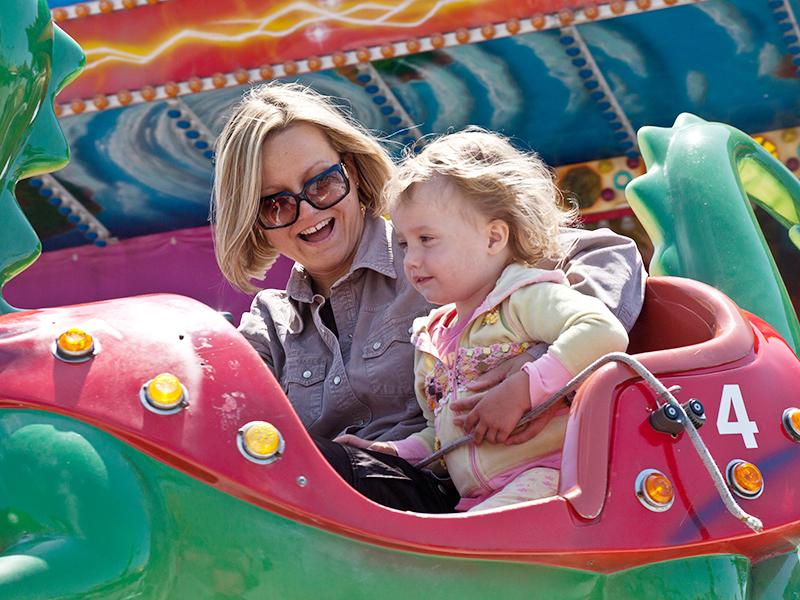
(258, 327)
(607, 266)
(579, 328)
(421, 444)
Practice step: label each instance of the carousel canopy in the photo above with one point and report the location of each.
(570, 79)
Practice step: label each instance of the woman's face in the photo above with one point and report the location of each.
(323, 241)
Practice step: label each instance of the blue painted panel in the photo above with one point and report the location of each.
(723, 60)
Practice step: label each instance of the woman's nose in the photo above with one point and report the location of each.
(306, 209)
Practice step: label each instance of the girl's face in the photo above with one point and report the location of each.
(323, 241)
(452, 253)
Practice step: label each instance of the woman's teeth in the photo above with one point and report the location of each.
(316, 227)
(313, 232)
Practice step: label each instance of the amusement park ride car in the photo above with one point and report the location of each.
(147, 451)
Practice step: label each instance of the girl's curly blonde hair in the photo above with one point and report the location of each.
(240, 245)
(500, 182)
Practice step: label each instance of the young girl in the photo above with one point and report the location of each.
(472, 213)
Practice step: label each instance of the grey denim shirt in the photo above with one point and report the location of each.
(362, 381)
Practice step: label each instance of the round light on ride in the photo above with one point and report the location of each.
(164, 394)
(260, 442)
(654, 490)
(745, 479)
(74, 345)
(791, 423)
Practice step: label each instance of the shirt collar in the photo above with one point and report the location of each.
(375, 252)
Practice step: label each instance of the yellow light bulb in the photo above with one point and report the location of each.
(795, 418)
(658, 488)
(261, 441)
(164, 391)
(654, 490)
(748, 478)
(75, 343)
(791, 422)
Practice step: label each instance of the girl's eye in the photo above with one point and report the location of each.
(425, 238)
(403, 245)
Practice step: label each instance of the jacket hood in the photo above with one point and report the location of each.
(513, 277)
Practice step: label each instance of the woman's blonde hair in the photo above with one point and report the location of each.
(500, 181)
(240, 244)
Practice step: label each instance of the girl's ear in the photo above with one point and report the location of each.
(498, 236)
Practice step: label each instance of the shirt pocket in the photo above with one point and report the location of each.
(304, 384)
(389, 361)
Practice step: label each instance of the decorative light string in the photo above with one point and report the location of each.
(88, 9)
(784, 15)
(365, 55)
(595, 83)
(400, 122)
(193, 128)
(70, 207)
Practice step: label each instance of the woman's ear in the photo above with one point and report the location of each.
(349, 162)
(498, 236)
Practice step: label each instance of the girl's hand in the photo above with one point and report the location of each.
(532, 428)
(354, 440)
(495, 414)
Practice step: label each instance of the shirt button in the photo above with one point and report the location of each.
(360, 422)
(376, 345)
(306, 374)
(337, 380)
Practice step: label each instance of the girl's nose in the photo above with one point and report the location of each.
(411, 259)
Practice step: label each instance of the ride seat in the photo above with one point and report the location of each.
(685, 325)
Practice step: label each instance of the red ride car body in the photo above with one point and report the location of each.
(689, 335)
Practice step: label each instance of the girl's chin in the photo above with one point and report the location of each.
(437, 300)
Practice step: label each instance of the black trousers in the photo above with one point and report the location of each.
(389, 480)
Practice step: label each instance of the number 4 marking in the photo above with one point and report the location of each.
(732, 397)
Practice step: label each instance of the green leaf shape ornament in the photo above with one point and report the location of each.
(695, 204)
(37, 60)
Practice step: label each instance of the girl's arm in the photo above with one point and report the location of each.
(578, 328)
(599, 263)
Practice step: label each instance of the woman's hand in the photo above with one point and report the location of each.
(498, 374)
(494, 414)
(357, 442)
(490, 382)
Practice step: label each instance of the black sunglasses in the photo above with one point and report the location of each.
(321, 191)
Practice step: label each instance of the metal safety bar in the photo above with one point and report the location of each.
(705, 456)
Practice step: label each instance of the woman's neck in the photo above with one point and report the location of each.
(323, 282)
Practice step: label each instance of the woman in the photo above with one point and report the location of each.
(295, 176)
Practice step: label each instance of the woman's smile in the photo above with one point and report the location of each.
(319, 232)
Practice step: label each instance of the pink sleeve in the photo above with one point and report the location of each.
(411, 449)
(546, 375)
